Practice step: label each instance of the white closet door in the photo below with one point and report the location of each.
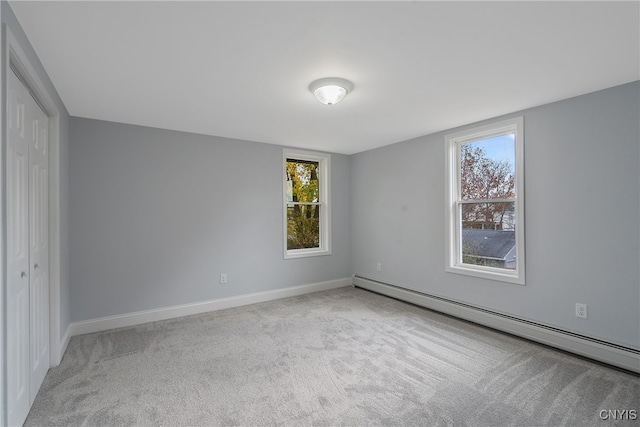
(27, 250)
(17, 180)
(38, 246)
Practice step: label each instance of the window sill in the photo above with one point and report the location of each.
(305, 253)
(490, 273)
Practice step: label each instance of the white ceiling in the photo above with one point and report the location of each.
(242, 69)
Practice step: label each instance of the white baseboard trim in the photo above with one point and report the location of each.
(140, 317)
(610, 353)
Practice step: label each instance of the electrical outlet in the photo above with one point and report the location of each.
(379, 267)
(581, 310)
(223, 278)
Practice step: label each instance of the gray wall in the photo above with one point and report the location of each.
(157, 215)
(582, 185)
(9, 19)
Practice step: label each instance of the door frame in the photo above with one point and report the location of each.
(15, 59)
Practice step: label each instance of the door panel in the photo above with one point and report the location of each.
(18, 360)
(38, 250)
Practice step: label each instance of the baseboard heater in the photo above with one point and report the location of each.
(610, 353)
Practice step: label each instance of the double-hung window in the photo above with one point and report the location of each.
(306, 204)
(485, 193)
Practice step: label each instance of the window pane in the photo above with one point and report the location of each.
(488, 235)
(491, 248)
(302, 181)
(488, 216)
(303, 226)
(487, 168)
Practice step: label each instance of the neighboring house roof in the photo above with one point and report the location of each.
(488, 243)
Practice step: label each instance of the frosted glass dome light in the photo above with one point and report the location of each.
(330, 90)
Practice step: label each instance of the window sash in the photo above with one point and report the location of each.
(476, 201)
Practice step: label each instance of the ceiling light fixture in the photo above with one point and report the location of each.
(330, 90)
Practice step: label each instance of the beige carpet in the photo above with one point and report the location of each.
(342, 357)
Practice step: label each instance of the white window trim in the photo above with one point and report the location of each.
(324, 161)
(452, 216)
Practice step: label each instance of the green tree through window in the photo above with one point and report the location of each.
(303, 204)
